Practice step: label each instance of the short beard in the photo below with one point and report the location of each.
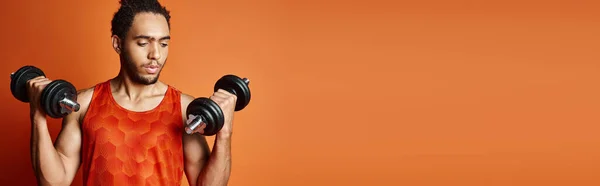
(131, 70)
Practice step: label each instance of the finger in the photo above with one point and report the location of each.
(229, 94)
(36, 79)
(226, 95)
(39, 77)
(218, 100)
(220, 95)
(38, 85)
(42, 83)
(224, 91)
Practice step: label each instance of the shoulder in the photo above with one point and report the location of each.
(84, 98)
(186, 99)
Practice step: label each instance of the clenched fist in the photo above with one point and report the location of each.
(226, 102)
(35, 87)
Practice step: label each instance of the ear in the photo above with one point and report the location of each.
(116, 42)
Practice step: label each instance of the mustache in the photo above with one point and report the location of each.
(154, 64)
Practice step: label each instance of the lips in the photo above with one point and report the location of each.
(151, 69)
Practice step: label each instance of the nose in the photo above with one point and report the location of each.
(154, 53)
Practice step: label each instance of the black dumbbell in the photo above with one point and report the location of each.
(204, 110)
(58, 99)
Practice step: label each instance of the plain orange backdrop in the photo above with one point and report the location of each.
(433, 92)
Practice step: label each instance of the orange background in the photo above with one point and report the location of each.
(353, 93)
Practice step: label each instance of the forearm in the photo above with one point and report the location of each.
(47, 163)
(218, 168)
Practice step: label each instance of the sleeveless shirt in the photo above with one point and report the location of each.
(123, 147)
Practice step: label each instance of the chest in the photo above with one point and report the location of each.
(142, 105)
(109, 123)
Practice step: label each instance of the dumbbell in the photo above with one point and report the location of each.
(58, 99)
(204, 110)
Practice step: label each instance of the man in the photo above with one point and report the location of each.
(130, 129)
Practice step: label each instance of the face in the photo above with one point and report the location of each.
(145, 48)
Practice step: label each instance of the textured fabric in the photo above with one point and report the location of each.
(123, 147)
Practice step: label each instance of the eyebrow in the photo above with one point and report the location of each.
(148, 37)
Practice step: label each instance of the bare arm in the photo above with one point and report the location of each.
(218, 166)
(56, 164)
(201, 166)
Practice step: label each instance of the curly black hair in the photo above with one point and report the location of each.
(123, 18)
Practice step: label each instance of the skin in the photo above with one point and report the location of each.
(146, 44)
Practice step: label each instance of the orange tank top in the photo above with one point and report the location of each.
(123, 147)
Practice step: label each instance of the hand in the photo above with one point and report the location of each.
(35, 87)
(227, 102)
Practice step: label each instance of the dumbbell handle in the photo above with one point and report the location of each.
(68, 105)
(196, 120)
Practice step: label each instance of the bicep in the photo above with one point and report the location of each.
(195, 147)
(69, 139)
(68, 145)
(196, 153)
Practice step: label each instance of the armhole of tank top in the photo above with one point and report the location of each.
(95, 94)
(177, 96)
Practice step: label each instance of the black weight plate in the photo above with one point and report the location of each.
(217, 114)
(214, 114)
(53, 93)
(197, 108)
(18, 81)
(237, 86)
(211, 113)
(67, 91)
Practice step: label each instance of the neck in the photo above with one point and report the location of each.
(123, 85)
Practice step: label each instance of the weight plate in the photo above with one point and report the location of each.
(53, 93)
(237, 86)
(18, 81)
(210, 112)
